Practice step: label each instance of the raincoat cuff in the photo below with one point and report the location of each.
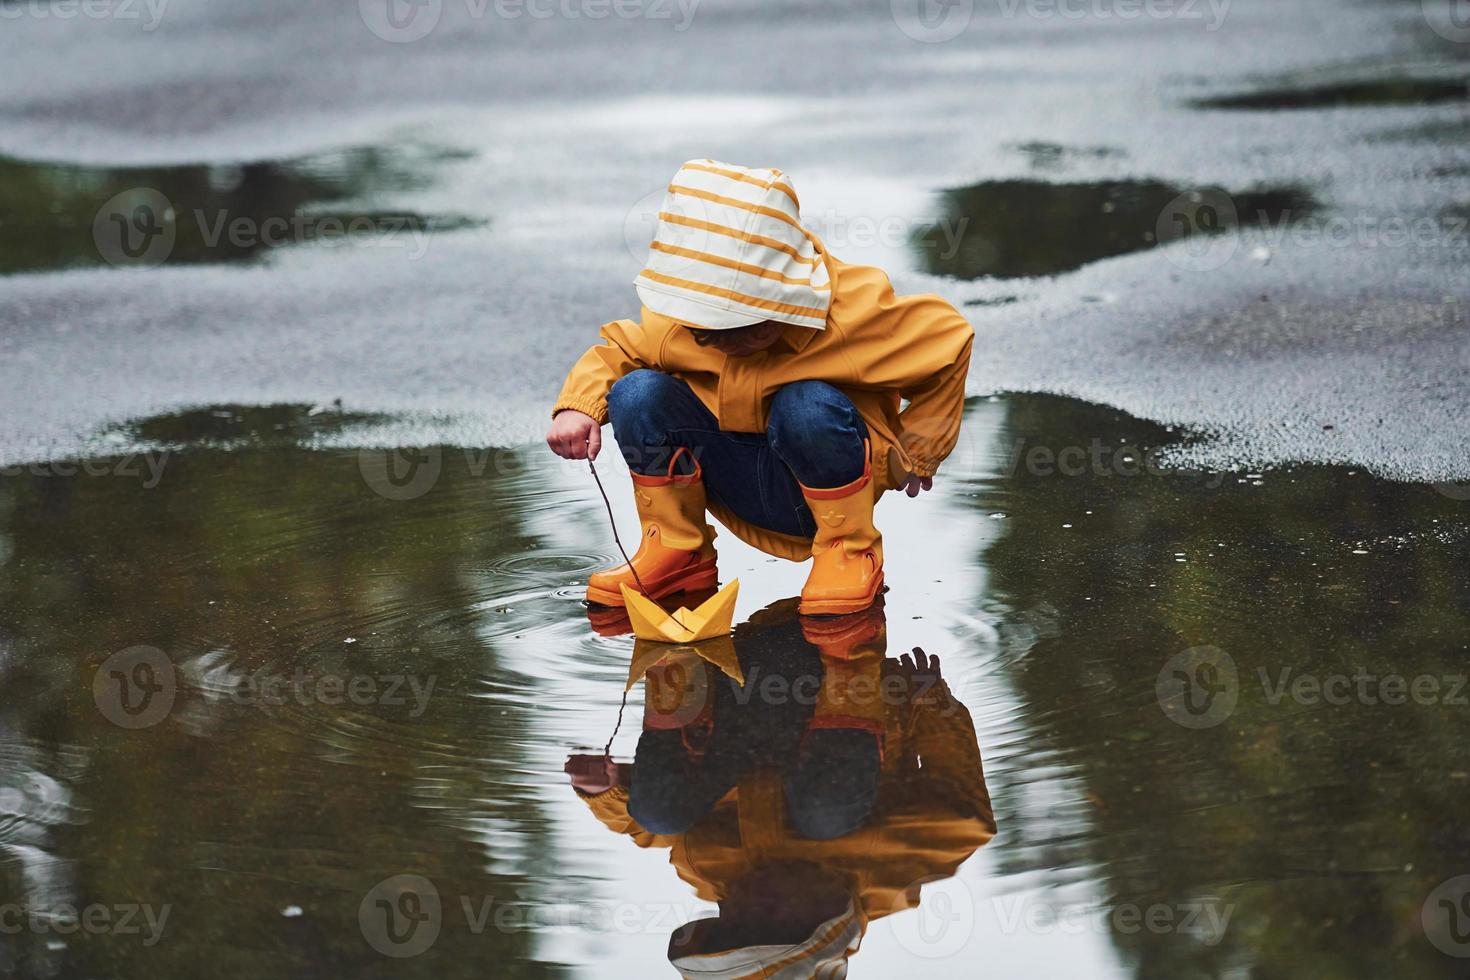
(922, 467)
(611, 794)
(595, 407)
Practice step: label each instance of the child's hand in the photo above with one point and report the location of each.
(914, 484)
(924, 674)
(574, 435)
(593, 774)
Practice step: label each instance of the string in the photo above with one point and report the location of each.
(607, 749)
(616, 540)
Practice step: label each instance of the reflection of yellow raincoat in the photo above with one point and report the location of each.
(877, 347)
(926, 822)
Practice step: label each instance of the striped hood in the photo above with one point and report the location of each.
(729, 250)
(823, 956)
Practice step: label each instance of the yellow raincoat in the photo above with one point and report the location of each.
(927, 820)
(878, 348)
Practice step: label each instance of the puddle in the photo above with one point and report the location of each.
(228, 426)
(286, 704)
(1346, 95)
(1054, 156)
(58, 216)
(1020, 228)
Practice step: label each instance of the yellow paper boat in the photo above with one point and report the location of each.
(718, 651)
(713, 617)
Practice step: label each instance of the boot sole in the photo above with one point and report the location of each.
(704, 575)
(841, 607)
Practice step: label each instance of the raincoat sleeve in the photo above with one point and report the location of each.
(592, 377)
(943, 737)
(919, 345)
(611, 807)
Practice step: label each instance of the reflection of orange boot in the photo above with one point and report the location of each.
(847, 552)
(852, 697)
(676, 552)
(609, 621)
(848, 637)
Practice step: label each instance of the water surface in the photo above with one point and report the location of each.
(1060, 573)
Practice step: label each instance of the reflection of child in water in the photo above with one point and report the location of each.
(797, 800)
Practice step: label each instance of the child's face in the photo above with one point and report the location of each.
(740, 341)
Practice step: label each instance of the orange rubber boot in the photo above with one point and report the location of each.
(847, 552)
(676, 552)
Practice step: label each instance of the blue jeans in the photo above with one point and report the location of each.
(815, 437)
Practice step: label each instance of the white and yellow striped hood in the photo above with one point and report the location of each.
(729, 250)
(823, 955)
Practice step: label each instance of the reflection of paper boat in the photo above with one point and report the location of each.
(712, 618)
(719, 651)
